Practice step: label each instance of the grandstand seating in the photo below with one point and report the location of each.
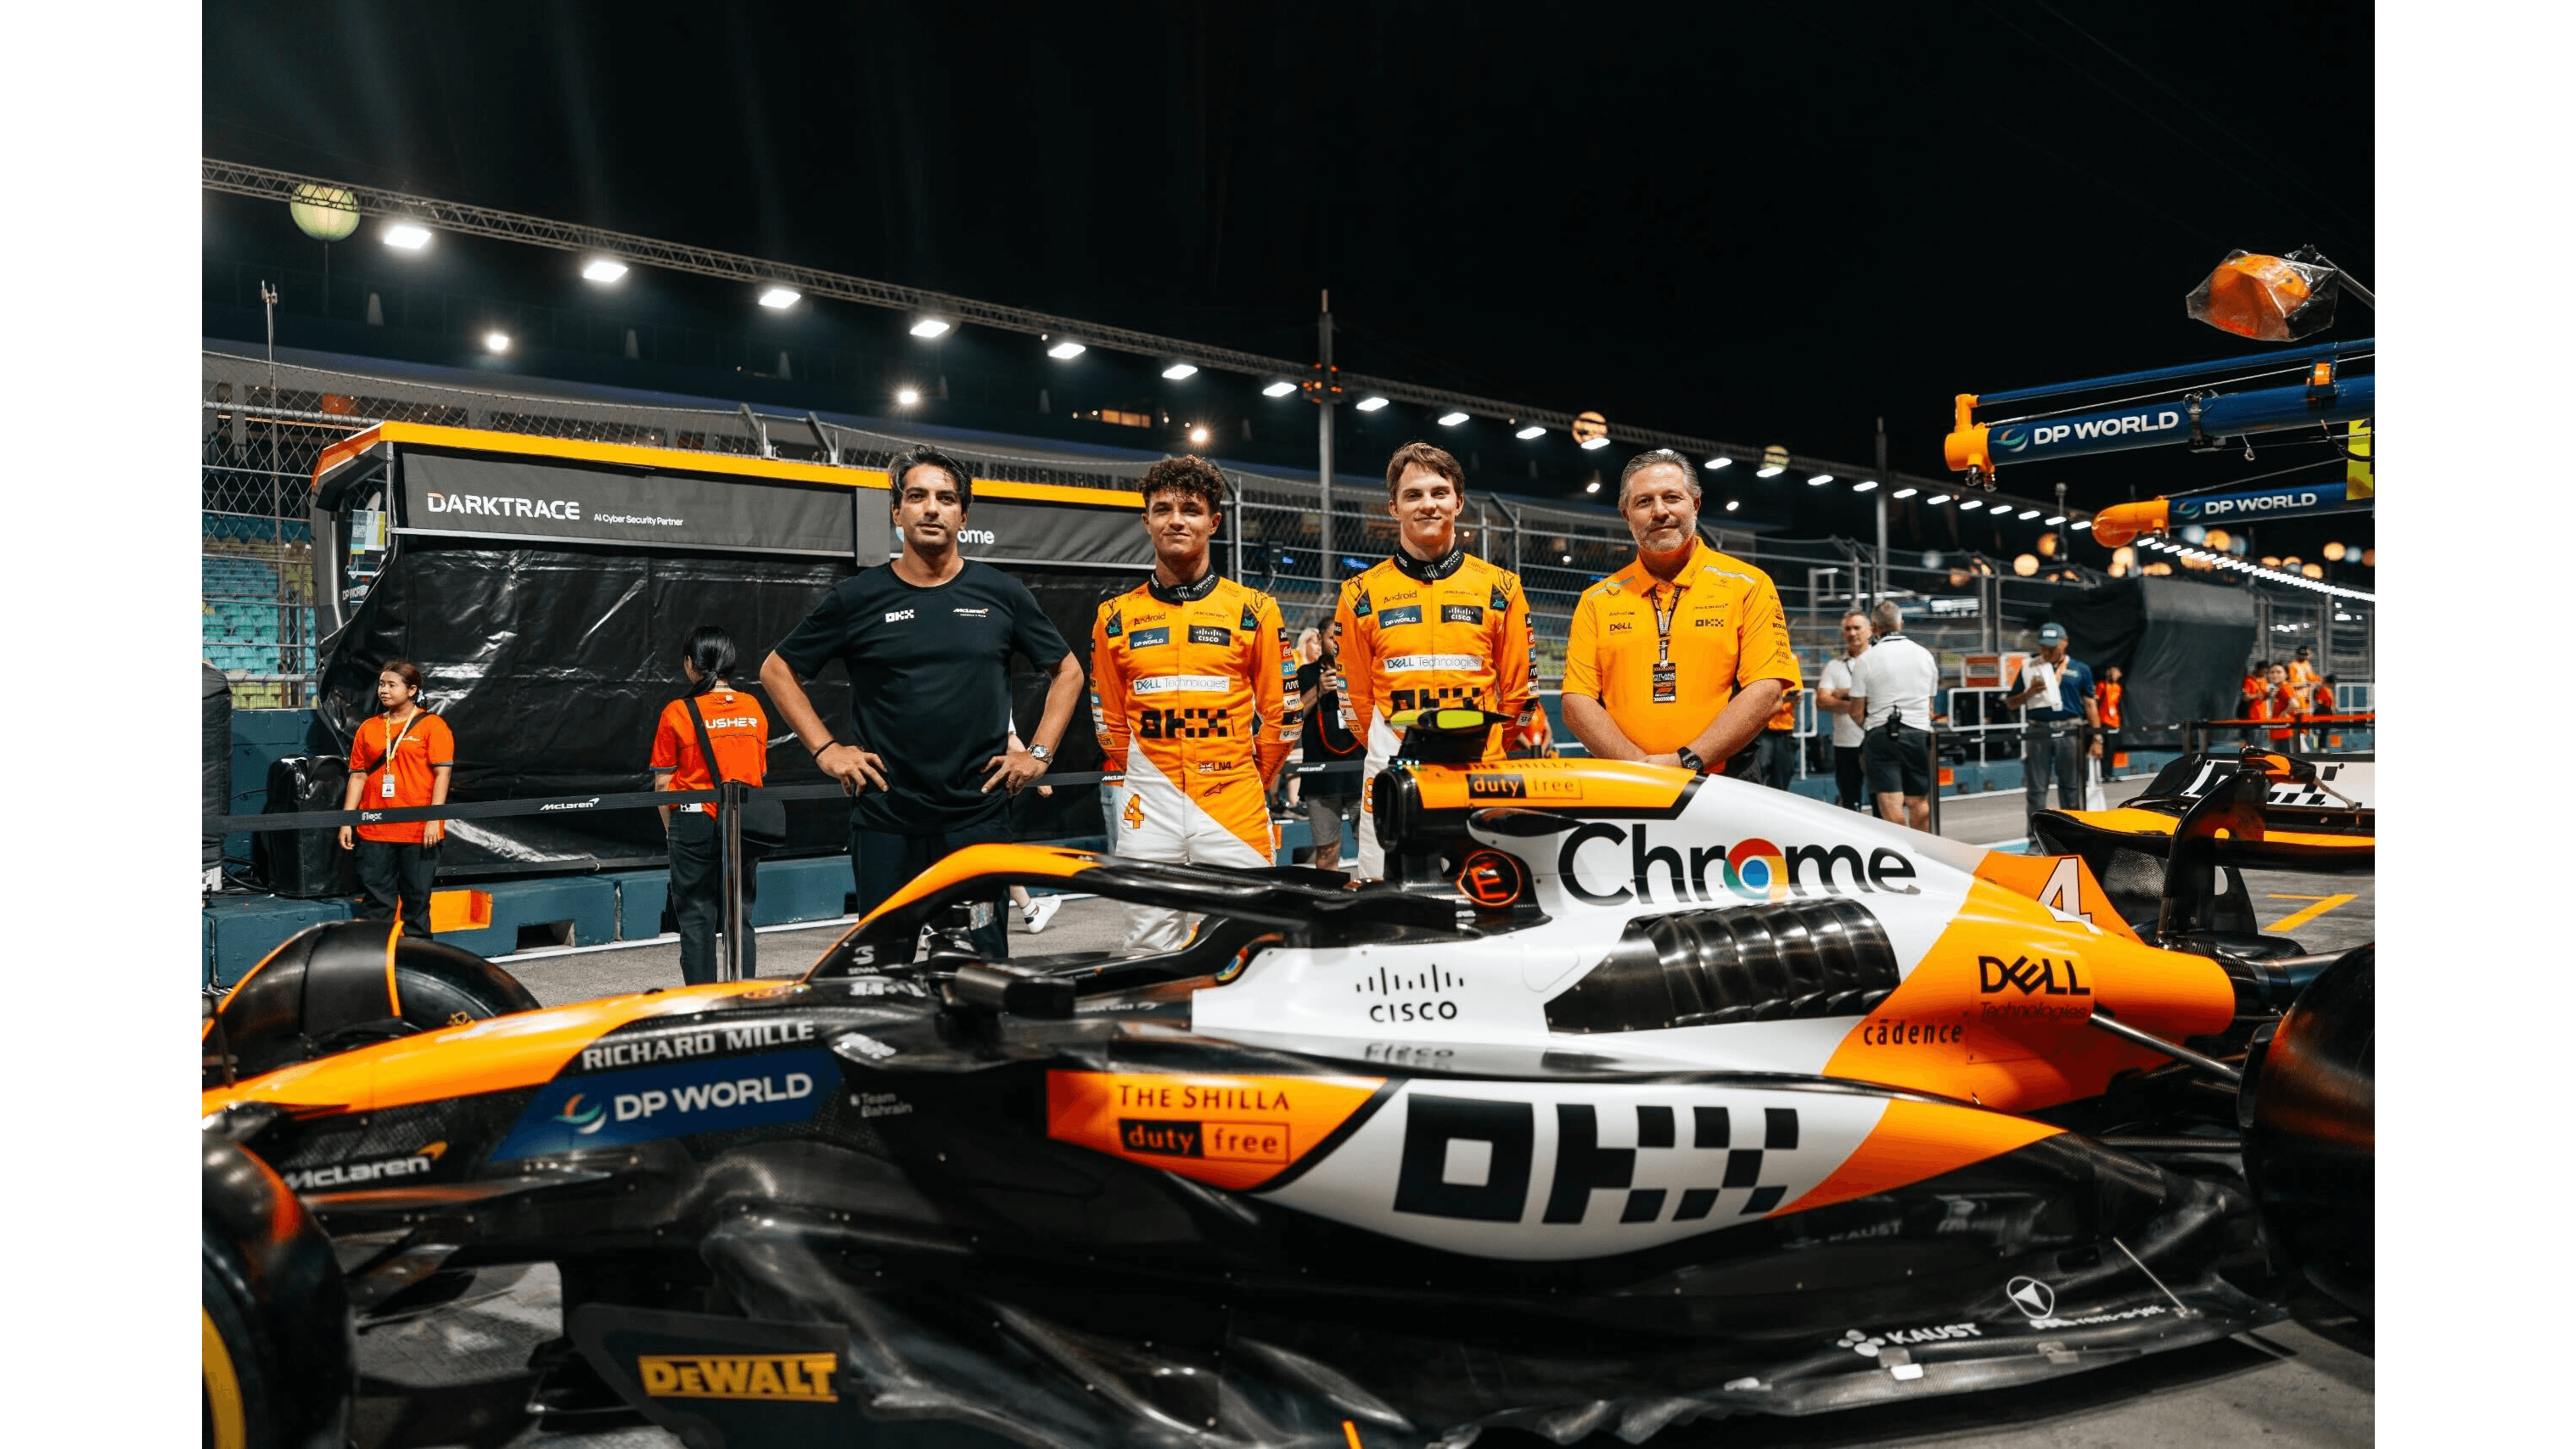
(247, 626)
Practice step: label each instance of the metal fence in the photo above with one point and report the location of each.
(264, 428)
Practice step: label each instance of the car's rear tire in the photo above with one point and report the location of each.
(2310, 1132)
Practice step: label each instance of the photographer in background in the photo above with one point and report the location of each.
(2058, 691)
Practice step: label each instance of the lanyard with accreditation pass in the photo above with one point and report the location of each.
(1667, 686)
(393, 743)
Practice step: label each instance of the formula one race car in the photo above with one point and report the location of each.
(1634, 1097)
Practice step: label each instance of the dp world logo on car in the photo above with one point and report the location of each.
(726, 1094)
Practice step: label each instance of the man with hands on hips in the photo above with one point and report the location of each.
(1680, 658)
(927, 640)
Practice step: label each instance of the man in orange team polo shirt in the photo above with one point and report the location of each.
(1188, 692)
(1431, 625)
(1679, 658)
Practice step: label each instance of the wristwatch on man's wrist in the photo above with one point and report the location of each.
(1045, 753)
(1690, 761)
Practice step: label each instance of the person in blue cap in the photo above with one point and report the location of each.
(2060, 725)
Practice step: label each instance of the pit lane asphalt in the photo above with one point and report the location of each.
(457, 1376)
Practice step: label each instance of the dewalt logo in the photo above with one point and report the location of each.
(800, 1378)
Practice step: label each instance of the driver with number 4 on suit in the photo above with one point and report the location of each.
(1188, 689)
(1432, 625)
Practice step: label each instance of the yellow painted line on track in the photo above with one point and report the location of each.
(2302, 917)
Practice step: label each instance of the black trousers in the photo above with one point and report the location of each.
(1847, 779)
(884, 861)
(1777, 763)
(397, 872)
(697, 895)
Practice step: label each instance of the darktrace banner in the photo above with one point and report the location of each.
(567, 502)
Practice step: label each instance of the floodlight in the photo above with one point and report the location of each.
(410, 236)
(1904, 492)
(1532, 431)
(1179, 370)
(1371, 404)
(1730, 505)
(1451, 420)
(1720, 461)
(1936, 500)
(603, 269)
(778, 299)
(2060, 518)
(2081, 525)
(1864, 485)
(1198, 435)
(908, 396)
(1279, 389)
(1064, 350)
(1971, 505)
(1591, 443)
(2027, 514)
(1774, 471)
(1820, 480)
(496, 341)
(928, 327)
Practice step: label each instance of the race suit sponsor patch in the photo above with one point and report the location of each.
(1434, 663)
(1182, 684)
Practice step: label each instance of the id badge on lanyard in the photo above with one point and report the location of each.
(394, 744)
(1666, 678)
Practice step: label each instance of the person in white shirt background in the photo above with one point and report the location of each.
(1834, 697)
(1893, 685)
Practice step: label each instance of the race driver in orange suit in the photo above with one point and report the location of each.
(1432, 625)
(1189, 692)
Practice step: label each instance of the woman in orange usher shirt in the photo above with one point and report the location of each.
(738, 730)
(400, 760)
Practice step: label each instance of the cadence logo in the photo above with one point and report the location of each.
(795, 1378)
(1753, 870)
(683, 1099)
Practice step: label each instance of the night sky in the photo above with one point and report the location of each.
(1755, 222)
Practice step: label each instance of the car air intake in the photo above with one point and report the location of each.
(1769, 962)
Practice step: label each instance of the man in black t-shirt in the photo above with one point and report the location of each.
(1327, 741)
(927, 640)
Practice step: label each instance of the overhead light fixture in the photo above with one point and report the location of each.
(1864, 485)
(2060, 518)
(928, 327)
(1730, 505)
(1371, 404)
(409, 236)
(1904, 492)
(1591, 443)
(908, 396)
(603, 269)
(1720, 461)
(1279, 389)
(1592, 487)
(1971, 505)
(1198, 433)
(1451, 420)
(1065, 350)
(2081, 525)
(1532, 431)
(1179, 370)
(496, 341)
(1774, 471)
(2027, 514)
(1820, 480)
(1936, 500)
(1569, 558)
(778, 299)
